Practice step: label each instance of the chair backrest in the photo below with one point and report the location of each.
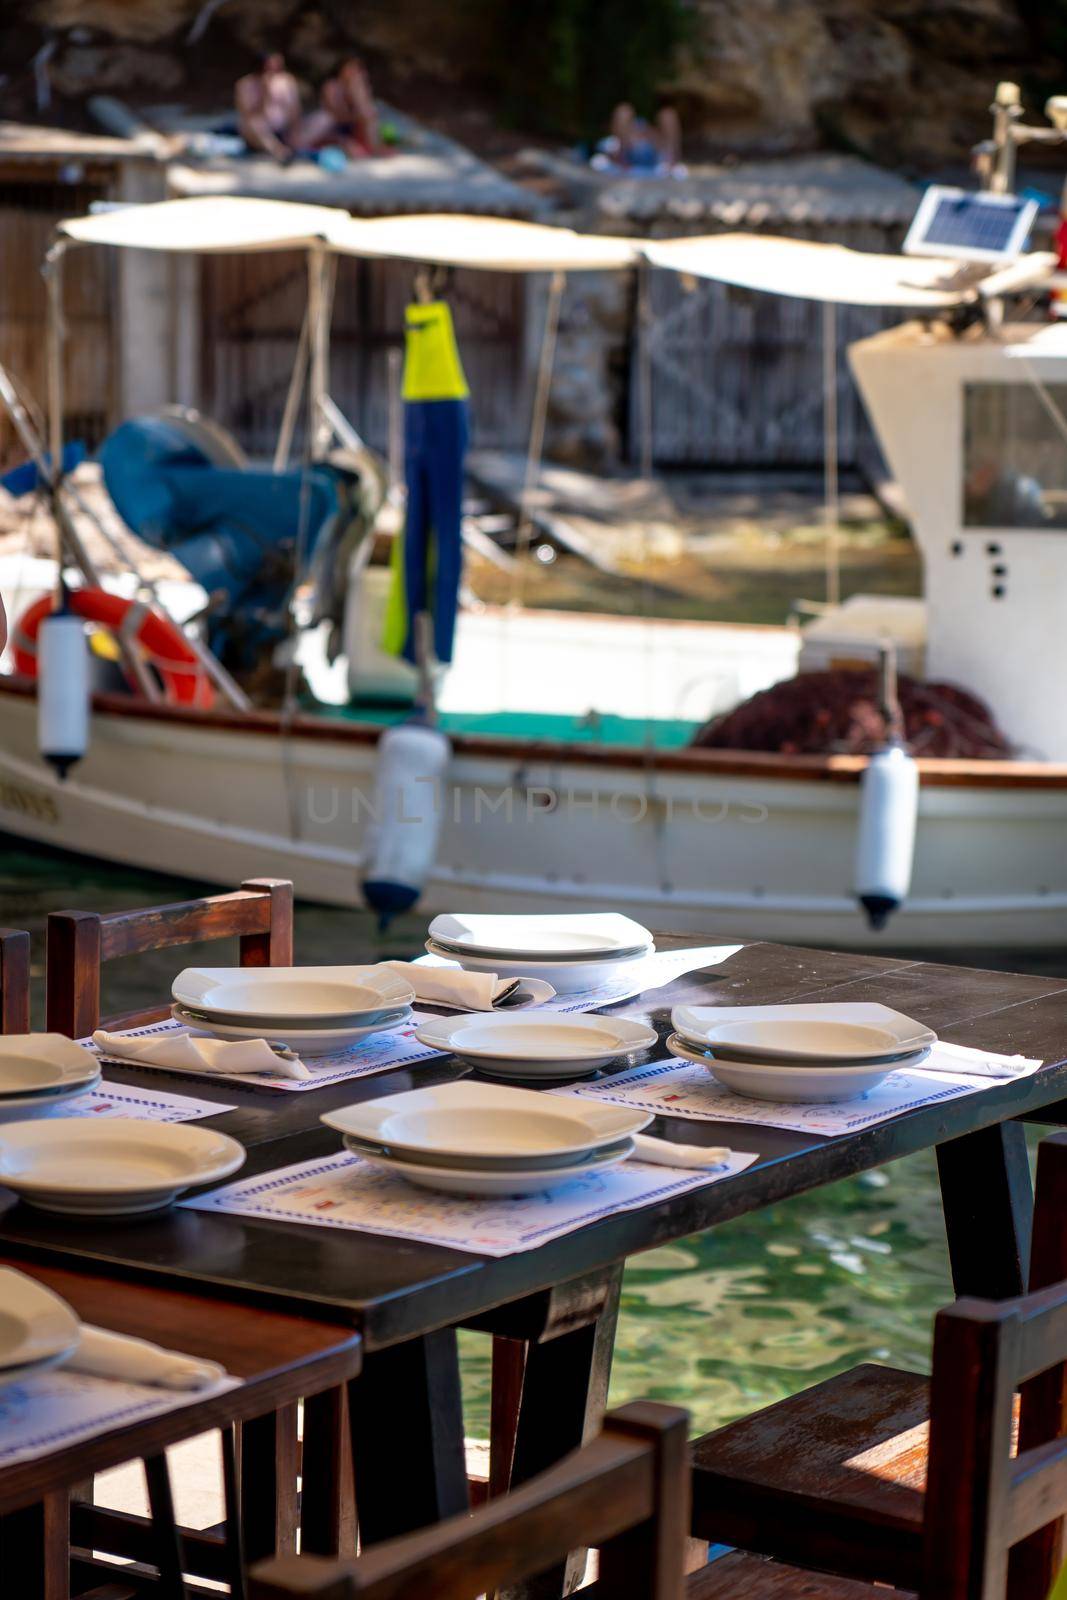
(997, 1475)
(626, 1493)
(259, 914)
(14, 981)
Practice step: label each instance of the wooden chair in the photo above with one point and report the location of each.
(259, 914)
(886, 1477)
(626, 1493)
(14, 981)
(50, 1544)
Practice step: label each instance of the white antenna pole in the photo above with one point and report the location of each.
(831, 490)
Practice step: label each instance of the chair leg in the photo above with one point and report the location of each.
(327, 1495)
(168, 1549)
(35, 1550)
(509, 1365)
(268, 1472)
(233, 1533)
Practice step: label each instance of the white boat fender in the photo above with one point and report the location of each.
(63, 689)
(885, 846)
(409, 803)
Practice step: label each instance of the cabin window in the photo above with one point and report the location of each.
(1014, 455)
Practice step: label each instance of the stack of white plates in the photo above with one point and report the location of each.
(114, 1168)
(804, 1053)
(534, 1046)
(38, 1330)
(569, 951)
(40, 1071)
(312, 1010)
(487, 1138)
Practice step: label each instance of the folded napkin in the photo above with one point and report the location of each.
(185, 1052)
(452, 986)
(102, 1354)
(957, 1058)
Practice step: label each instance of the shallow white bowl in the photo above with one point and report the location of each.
(566, 977)
(310, 996)
(479, 1184)
(43, 1064)
(696, 1023)
(536, 1045)
(305, 1041)
(544, 936)
(492, 1163)
(791, 1082)
(111, 1168)
(492, 1119)
(20, 1108)
(36, 1326)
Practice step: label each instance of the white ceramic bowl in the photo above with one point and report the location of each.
(479, 1184)
(111, 1168)
(37, 1328)
(541, 936)
(535, 1045)
(794, 1039)
(487, 1163)
(305, 1041)
(791, 1082)
(566, 977)
(307, 996)
(43, 1063)
(21, 1108)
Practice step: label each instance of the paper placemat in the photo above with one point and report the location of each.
(675, 1088)
(55, 1409)
(345, 1191)
(380, 1053)
(143, 1105)
(651, 972)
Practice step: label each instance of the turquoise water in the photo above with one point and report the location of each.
(722, 1323)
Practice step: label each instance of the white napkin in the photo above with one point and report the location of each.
(102, 1354)
(452, 986)
(183, 1052)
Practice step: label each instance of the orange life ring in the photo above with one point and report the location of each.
(183, 675)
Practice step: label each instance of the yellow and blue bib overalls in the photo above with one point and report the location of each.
(428, 563)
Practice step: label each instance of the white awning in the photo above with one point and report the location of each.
(496, 244)
(810, 271)
(208, 224)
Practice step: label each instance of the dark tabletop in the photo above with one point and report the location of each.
(392, 1289)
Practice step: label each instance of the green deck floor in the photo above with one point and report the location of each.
(593, 728)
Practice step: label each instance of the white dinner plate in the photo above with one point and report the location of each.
(111, 1168)
(305, 1041)
(486, 1119)
(306, 996)
(793, 1082)
(811, 1040)
(695, 1023)
(36, 1326)
(547, 936)
(479, 1184)
(566, 977)
(20, 1108)
(43, 1063)
(534, 1045)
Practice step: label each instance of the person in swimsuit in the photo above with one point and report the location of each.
(348, 115)
(269, 111)
(637, 146)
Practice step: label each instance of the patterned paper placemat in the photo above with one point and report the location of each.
(345, 1191)
(675, 1088)
(380, 1053)
(53, 1410)
(144, 1105)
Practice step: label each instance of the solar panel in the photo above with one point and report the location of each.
(970, 226)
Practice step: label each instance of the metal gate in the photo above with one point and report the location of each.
(29, 212)
(252, 308)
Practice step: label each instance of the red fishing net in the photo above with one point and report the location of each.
(835, 712)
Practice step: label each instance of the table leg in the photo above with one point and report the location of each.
(35, 1550)
(988, 1203)
(405, 1415)
(564, 1396)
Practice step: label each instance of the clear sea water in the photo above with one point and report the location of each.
(722, 1323)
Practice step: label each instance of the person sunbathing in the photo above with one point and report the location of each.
(642, 148)
(347, 101)
(269, 112)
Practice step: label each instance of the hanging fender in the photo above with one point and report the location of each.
(401, 843)
(885, 840)
(186, 681)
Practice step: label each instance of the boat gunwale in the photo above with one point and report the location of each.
(934, 771)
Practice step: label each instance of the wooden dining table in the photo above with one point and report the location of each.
(560, 1300)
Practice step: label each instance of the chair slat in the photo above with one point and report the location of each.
(14, 981)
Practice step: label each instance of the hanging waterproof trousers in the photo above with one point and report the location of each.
(435, 441)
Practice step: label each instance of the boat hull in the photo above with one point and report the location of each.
(693, 841)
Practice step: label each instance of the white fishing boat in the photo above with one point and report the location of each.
(536, 806)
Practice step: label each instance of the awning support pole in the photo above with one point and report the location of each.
(831, 488)
(538, 422)
(294, 395)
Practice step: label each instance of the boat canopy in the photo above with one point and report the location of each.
(497, 244)
(208, 224)
(813, 271)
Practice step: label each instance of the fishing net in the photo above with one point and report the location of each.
(838, 712)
